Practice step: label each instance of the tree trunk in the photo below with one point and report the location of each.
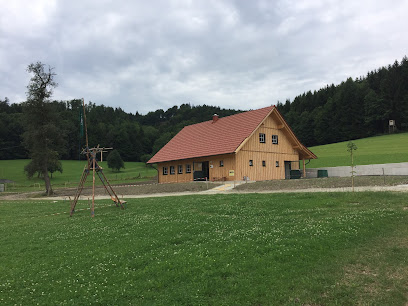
(48, 188)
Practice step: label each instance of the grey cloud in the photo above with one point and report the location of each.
(144, 55)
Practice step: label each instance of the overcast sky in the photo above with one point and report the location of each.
(245, 54)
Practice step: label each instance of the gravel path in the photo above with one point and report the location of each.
(217, 190)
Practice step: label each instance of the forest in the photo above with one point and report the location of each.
(356, 108)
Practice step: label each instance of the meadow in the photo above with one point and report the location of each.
(373, 150)
(72, 171)
(323, 248)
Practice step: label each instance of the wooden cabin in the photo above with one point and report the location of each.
(254, 145)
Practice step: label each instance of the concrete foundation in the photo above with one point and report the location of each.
(378, 169)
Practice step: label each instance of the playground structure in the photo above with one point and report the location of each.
(92, 165)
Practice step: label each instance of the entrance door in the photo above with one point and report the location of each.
(201, 171)
(288, 167)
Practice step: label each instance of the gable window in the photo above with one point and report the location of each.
(251, 162)
(165, 171)
(221, 163)
(275, 139)
(263, 163)
(188, 168)
(277, 163)
(180, 169)
(262, 137)
(172, 170)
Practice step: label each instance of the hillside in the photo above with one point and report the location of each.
(354, 109)
(372, 150)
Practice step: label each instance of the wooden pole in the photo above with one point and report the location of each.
(93, 185)
(304, 169)
(352, 171)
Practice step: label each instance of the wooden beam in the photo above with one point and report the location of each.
(304, 169)
(280, 126)
(296, 147)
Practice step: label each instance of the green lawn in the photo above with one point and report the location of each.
(72, 171)
(373, 150)
(252, 249)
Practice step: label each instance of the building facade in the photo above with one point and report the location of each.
(254, 145)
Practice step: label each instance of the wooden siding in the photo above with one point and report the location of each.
(271, 153)
(253, 150)
(215, 173)
(259, 173)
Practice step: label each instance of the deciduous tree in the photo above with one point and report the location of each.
(42, 138)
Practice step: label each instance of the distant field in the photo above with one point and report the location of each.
(372, 150)
(253, 249)
(72, 171)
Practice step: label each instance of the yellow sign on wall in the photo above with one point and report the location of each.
(231, 173)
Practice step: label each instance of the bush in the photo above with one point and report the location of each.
(115, 161)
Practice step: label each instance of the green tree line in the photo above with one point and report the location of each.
(351, 110)
(136, 137)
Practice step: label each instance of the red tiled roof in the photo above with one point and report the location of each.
(211, 138)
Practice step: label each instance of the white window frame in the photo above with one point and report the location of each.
(275, 139)
(262, 138)
(251, 162)
(180, 169)
(165, 171)
(221, 163)
(277, 163)
(172, 170)
(188, 168)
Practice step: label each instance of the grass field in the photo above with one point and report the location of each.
(72, 171)
(373, 150)
(331, 248)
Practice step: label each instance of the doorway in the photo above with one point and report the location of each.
(288, 167)
(201, 171)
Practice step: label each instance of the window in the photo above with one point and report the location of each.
(262, 137)
(188, 168)
(221, 163)
(172, 170)
(277, 163)
(263, 163)
(165, 171)
(275, 139)
(180, 169)
(251, 162)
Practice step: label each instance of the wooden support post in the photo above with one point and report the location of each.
(304, 169)
(93, 186)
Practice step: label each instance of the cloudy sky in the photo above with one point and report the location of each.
(144, 55)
